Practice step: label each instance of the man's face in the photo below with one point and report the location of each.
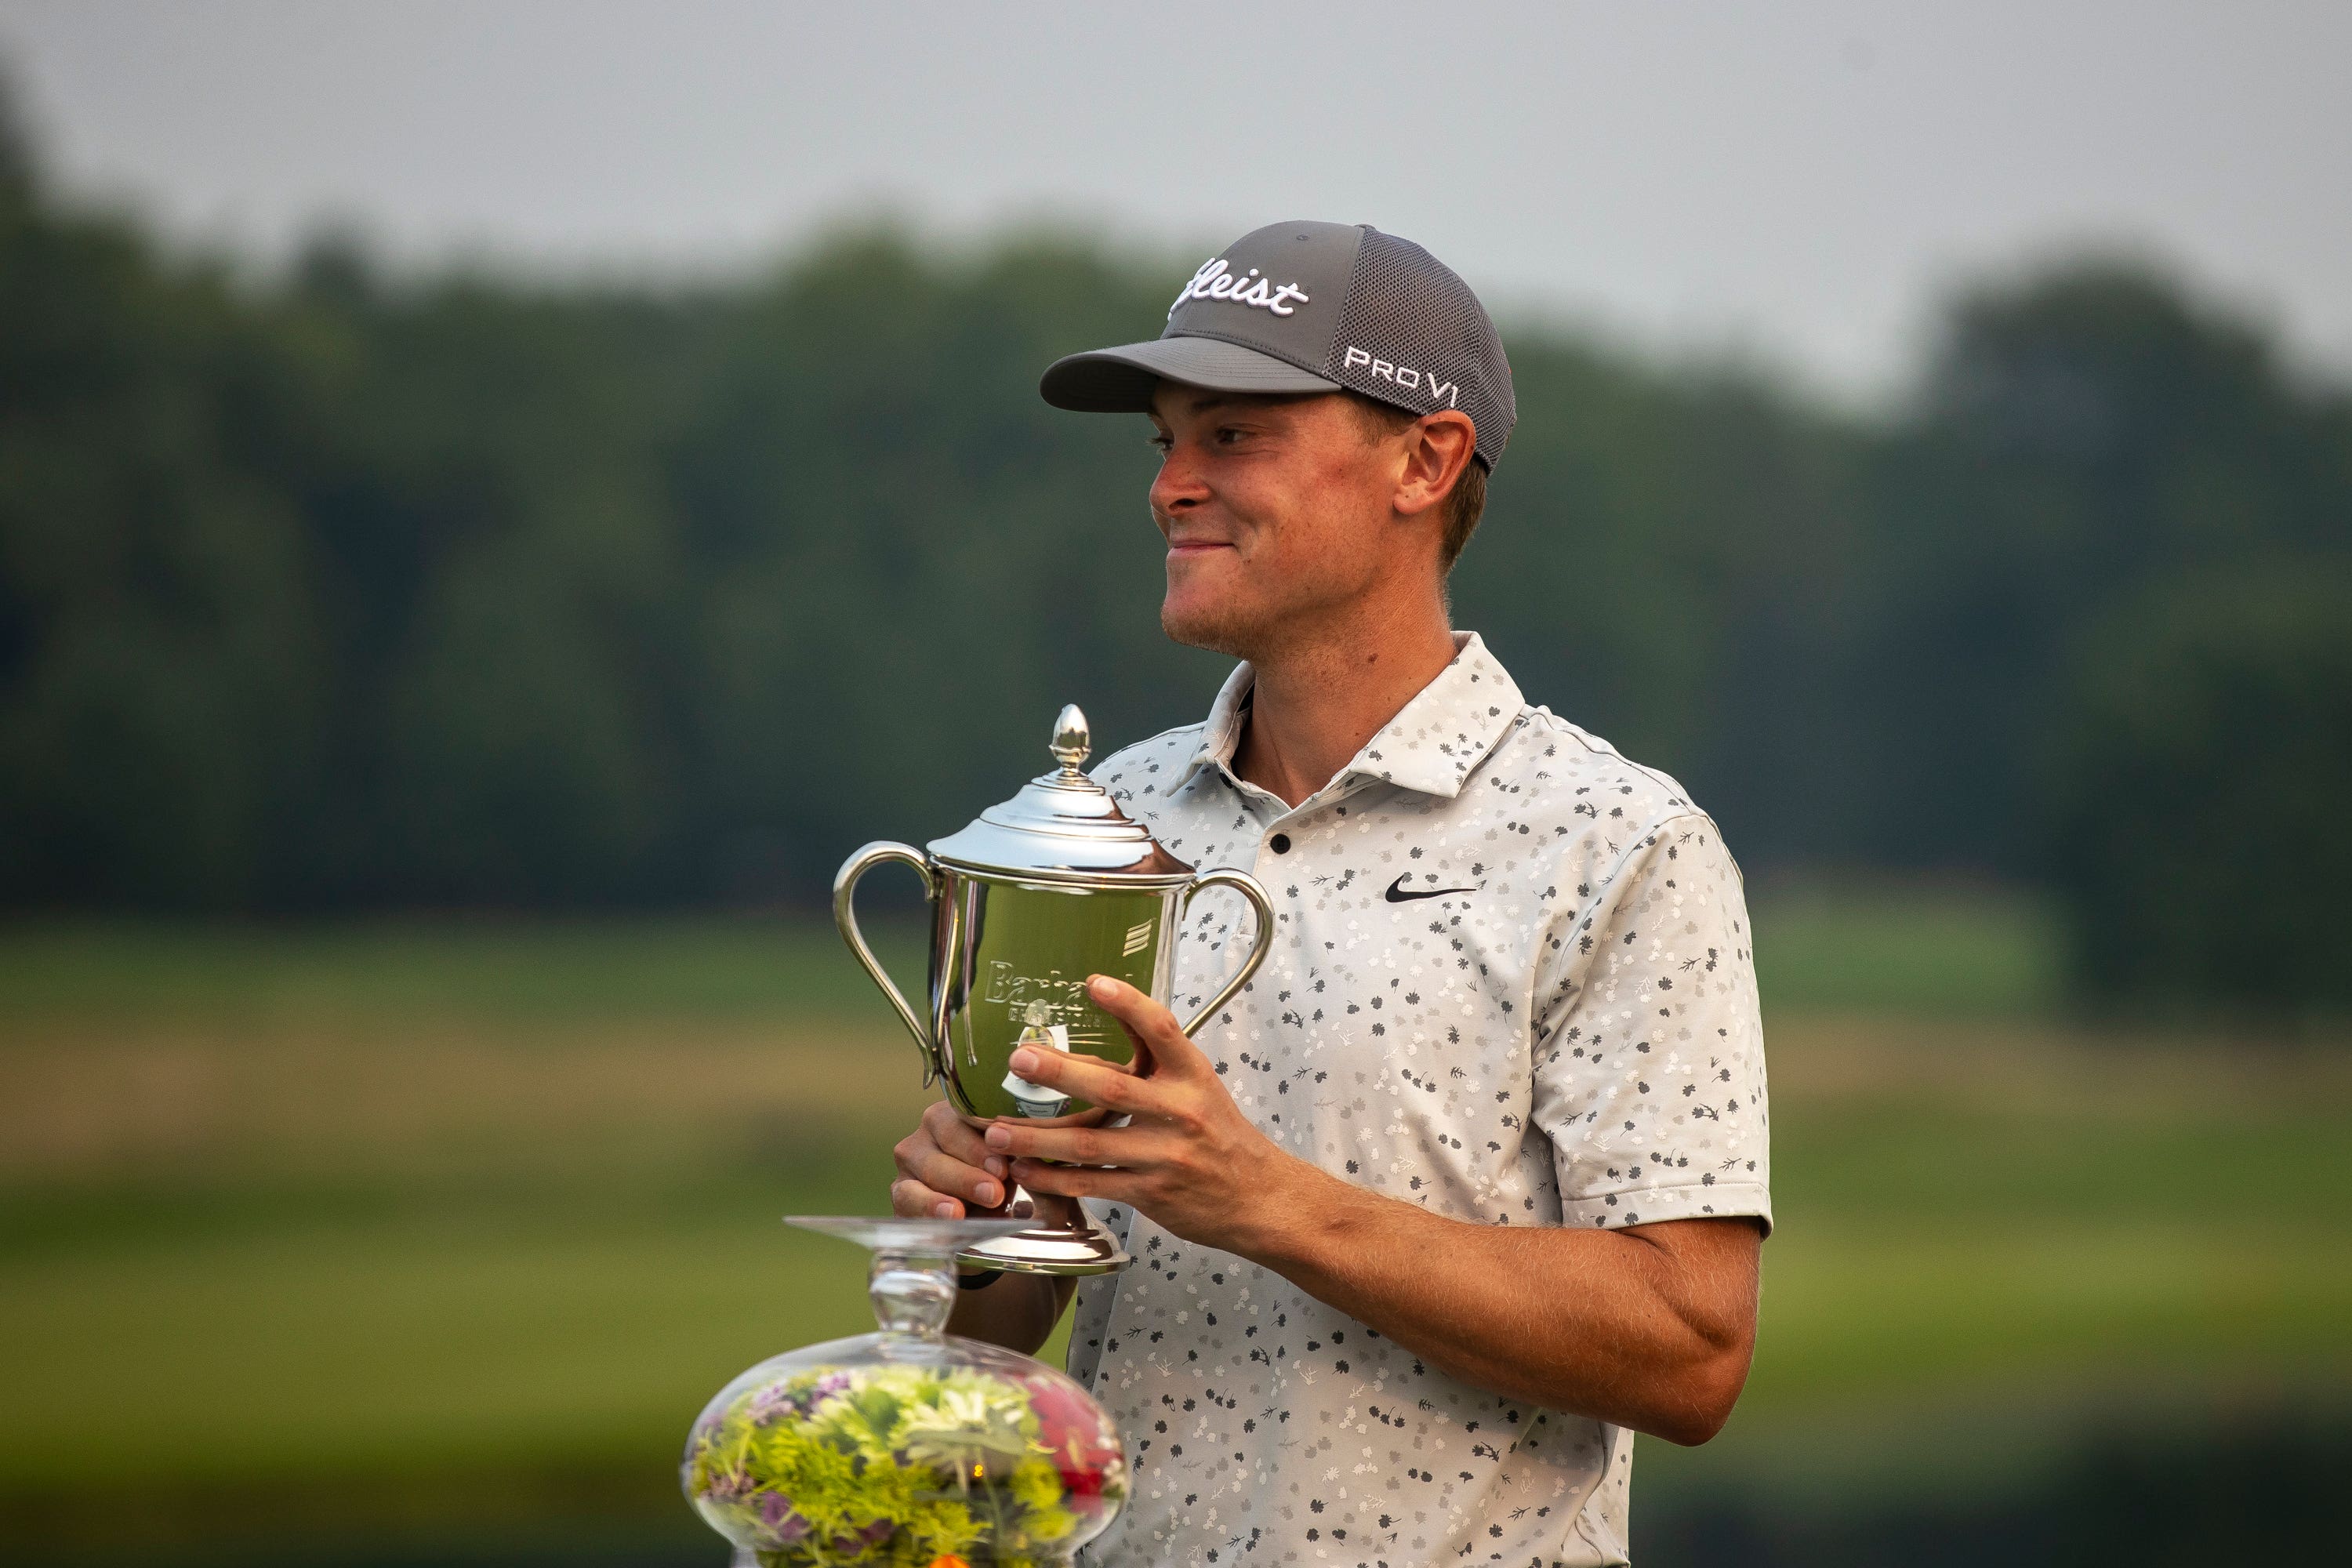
(1277, 512)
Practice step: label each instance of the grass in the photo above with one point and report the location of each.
(474, 968)
(1968, 952)
(403, 1344)
(419, 1222)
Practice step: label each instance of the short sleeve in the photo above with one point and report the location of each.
(1649, 1048)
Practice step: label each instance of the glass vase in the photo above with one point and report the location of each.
(910, 1446)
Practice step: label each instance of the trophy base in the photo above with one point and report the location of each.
(1061, 1250)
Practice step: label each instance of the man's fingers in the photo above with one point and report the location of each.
(1151, 1027)
(911, 1200)
(975, 1181)
(1106, 1084)
(1133, 1147)
(957, 1138)
(951, 1176)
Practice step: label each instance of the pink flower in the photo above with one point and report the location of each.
(785, 1525)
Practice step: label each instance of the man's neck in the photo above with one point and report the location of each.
(1314, 703)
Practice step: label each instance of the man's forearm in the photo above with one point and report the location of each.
(1639, 1326)
(1649, 1327)
(1015, 1311)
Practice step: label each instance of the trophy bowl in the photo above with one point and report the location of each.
(1027, 901)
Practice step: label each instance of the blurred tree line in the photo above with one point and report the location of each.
(336, 591)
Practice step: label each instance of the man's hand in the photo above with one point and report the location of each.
(944, 1168)
(1188, 1157)
(944, 1171)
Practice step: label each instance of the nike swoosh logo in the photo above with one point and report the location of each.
(1397, 895)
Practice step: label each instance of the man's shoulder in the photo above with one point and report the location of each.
(1149, 768)
(1549, 757)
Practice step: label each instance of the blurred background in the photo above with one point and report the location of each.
(497, 500)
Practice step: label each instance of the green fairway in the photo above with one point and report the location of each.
(447, 1221)
(746, 966)
(1965, 954)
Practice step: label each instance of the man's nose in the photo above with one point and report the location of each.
(1178, 484)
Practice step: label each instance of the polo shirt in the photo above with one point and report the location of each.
(1510, 983)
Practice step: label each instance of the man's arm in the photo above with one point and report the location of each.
(1015, 1311)
(1650, 1327)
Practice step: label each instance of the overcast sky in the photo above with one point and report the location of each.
(1798, 178)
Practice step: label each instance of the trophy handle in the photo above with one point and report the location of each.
(844, 890)
(1248, 886)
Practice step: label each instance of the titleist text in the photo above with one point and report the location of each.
(1216, 280)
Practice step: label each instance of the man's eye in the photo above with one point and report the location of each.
(1227, 435)
(1161, 444)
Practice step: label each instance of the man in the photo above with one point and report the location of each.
(1469, 1183)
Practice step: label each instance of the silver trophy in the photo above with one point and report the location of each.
(1053, 886)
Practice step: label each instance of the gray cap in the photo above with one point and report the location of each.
(1314, 307)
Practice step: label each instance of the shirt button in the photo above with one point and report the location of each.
(1279, 843)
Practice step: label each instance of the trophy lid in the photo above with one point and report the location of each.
(1062, 826)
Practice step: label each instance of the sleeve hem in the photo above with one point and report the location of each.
(1689, 1200)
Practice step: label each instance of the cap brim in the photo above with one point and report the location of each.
(1123, 380)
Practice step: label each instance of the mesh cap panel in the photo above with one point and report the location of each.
(1412, 335)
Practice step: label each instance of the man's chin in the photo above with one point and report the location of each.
(1213, 626)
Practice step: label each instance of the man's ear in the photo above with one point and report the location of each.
(1438, 448)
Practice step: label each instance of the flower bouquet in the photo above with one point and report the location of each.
(908, 1448)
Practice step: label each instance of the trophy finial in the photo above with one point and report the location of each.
(1072, 741)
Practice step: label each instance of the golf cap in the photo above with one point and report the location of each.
(1313, 307)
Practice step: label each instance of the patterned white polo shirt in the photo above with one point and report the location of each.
(1510, 982)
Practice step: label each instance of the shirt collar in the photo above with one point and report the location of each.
(1430, 746)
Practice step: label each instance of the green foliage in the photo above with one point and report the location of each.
(339, 593)
(889, 1464)
(157, 641)
(2085, 435)
(2202, 841)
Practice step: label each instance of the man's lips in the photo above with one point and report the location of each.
(1196, 546)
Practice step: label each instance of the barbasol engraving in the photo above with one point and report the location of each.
(1403, 375)
(1062, 1000)
(1216, 280)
